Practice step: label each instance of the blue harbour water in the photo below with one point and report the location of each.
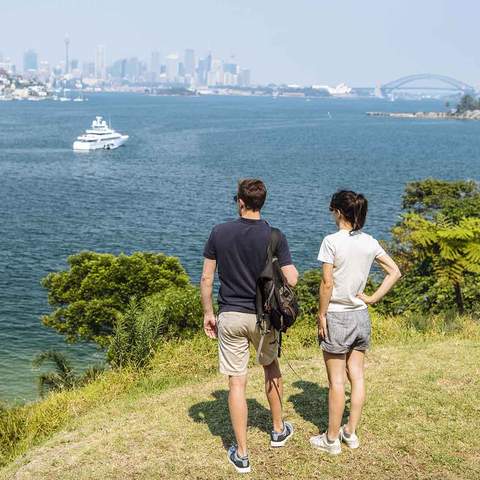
(176, 177)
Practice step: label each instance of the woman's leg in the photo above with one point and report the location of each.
(336, 393)
(355, 362)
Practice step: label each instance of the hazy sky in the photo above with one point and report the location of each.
(362, 42)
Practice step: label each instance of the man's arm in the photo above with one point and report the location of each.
(291, 274)
(285, 260)
(391, 278)
(206, 290)
(326, 289)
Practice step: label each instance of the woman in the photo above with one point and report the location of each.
(343, 320)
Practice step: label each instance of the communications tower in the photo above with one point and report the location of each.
(67, 62)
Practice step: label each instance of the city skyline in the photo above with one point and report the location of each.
(185, 69)
(362, 43)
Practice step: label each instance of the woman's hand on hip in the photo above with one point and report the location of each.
(368, 299)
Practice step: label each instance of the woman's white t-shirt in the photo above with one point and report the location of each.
(351, 255)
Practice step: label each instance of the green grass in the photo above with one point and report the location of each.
(171, 421)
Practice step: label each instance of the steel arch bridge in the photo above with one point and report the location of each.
(450, 84)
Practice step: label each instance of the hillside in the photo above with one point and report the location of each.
(421, 421)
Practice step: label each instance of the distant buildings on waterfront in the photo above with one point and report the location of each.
(176, 73)
(174, 69)
(16, 87)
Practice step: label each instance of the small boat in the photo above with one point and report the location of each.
(100, 136)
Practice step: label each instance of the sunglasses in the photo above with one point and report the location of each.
(235, 198)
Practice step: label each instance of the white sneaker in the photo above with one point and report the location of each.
(352, 440)
(321, 442)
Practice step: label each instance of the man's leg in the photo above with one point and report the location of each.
(237, 404)
(274, 392)
(355, 361)
(336, 393)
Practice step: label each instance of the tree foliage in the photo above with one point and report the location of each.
(452, 250)
(455, 199)
(97, 287)
(437, 246)
(468, 103)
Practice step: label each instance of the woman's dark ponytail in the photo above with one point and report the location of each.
(359, 212)
(353, 206)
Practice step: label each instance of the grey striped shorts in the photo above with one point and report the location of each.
(347, 331)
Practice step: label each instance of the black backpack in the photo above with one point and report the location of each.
(276, 304)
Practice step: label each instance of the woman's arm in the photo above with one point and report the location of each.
(391, 278)
(325, 294)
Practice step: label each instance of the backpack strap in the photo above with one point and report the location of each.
(272, 251)
(275, 239)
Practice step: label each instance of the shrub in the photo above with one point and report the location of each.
(96, 289)
(63, 377)
(175, 313)
(307, 291)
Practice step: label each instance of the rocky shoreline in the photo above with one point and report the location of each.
(468, 115)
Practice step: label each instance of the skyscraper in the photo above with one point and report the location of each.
(172, 67)
(244, 77)
(67, 61)
(44, 70)
(154, 70)
(100, 63)
(119, 69)
(216, 75)
(30, 61)
(88, 69)
(231, 68)
(202, 71)
(133, 69)
(189, 62)
(155, 61)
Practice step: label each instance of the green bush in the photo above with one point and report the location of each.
(138, 332)
(307, 291)
(96, 289)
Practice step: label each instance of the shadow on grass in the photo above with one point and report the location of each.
(216, 415)
(312, 404)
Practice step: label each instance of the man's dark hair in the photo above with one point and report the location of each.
(253, 193)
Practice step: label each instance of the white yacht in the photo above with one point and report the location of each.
(99, 136)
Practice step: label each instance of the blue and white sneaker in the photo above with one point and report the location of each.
(241, 464)
(280, 439)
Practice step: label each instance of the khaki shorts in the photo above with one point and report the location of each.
(235, 333)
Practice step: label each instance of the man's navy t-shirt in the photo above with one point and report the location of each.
(240, 249)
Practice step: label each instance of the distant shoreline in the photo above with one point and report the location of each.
(469, 115)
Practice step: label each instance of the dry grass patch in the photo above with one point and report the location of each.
(413, 426)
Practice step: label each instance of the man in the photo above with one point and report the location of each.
(239, 249)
